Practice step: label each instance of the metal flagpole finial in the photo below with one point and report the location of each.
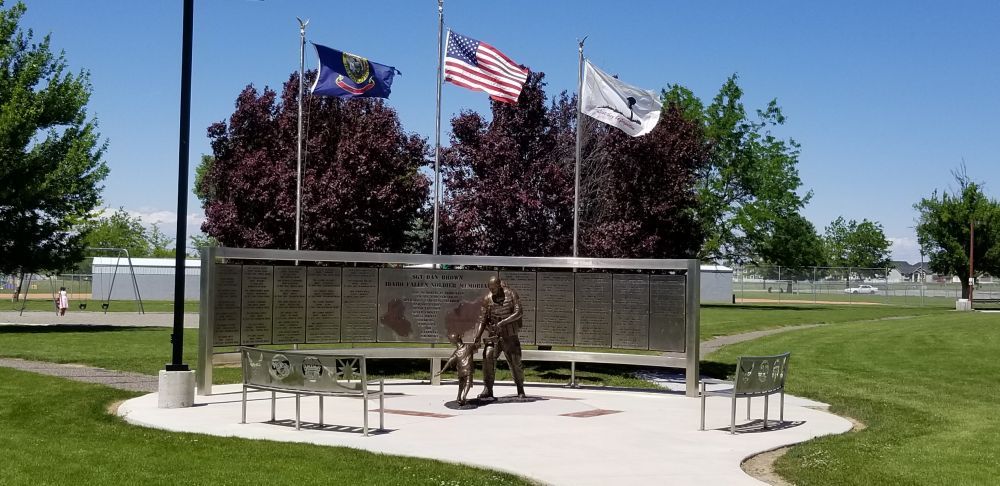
(302, 24)
(581, 41)
(440, 6)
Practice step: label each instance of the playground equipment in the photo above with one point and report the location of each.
(99, 277)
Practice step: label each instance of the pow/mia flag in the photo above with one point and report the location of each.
(632, 110)
(345, 75)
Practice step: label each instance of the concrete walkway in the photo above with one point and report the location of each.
(123, 380)
(564, 436)
(149, 319)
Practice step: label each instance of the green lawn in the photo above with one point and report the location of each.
(725, 320)
(925, 387)
(57, 431)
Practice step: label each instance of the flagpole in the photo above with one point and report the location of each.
(579, 137)
(298, 168)
(437, 127)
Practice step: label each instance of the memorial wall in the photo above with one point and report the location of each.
(266, 304)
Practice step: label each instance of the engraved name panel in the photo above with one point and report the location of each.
(227, 292)
(554, 314)
(630, 322)
(323, 304)
(258, 304)
(289, 304)
(667, 316)
(593, 310)
(359, 304)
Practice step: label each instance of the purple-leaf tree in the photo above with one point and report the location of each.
(361, 187)
(505, 191)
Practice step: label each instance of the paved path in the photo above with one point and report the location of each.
(149, 319)
(123, 380)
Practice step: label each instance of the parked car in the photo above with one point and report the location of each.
(861, 289)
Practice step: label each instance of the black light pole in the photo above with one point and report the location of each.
(177, 338)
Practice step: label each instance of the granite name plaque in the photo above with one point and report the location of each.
(323, 304)
(667, 317)
(593, 310)
(359, 306)
(555, 304)
(289, 305)
(630, 322)
(258, 304)
(228, 294)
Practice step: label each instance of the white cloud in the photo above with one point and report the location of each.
(905, 248)
(167, 220)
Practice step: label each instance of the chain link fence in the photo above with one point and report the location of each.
(850, 285)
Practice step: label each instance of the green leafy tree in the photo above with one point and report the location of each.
(50, 153)
(159, 243)
(795, 246)
(120, 230)
(944, 226)
(859, 245)
(749, 187)
(200, 241)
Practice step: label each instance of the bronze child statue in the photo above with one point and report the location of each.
(462, 359)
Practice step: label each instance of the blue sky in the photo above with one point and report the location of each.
(886, 98)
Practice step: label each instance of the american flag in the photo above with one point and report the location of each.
(481, 67)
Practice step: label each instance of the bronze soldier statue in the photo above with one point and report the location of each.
(498, 325)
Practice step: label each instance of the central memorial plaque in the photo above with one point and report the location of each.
(425, 305)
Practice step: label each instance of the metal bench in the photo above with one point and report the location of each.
(309, 373)
(755, 376)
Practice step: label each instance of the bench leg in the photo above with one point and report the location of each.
(297, 411)
(748, 408)
(702, 407)
(381, 404)
(435, 369)
(321, 410)
(781, 415)
(244, 419)
(765, 410)
(364, 398)
(572, 375)
(732, 422)
(273, 400)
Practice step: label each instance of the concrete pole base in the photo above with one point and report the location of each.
(176, 389)
(963, 305)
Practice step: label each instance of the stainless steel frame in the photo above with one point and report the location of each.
(691, 268)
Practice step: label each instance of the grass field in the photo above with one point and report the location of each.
(922, 380)
(61, 433)
(925, 387)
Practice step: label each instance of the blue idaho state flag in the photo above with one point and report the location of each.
(345, 75)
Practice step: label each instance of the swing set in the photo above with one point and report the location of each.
(98, 277)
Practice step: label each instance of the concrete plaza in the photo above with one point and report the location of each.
(565, 436)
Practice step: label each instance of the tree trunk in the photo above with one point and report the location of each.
(965, 287)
